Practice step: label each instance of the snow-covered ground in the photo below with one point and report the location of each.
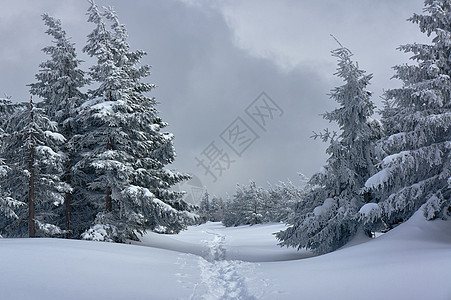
(209, 261)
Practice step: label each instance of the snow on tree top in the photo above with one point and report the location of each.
(168, 136)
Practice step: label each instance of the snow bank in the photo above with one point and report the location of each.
(412, 261)
(55, 269)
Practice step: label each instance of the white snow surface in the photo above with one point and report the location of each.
(412, 261)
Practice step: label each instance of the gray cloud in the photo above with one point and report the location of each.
(211, 59)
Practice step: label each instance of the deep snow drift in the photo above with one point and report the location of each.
(413, 261)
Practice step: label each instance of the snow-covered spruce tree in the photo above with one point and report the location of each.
(246, 207)
(283, 199)
(204, 210)
(34, 177)
(124, 150)
(233, 215)
(7, 109)
(328, 216)
(7, 203)
(58, 83)
(416, 165)
(211, 208)
(217, 207)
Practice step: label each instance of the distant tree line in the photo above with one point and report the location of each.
(251, 205)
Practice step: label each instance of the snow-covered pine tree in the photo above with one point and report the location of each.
(35, 168)
(7, 203)
(204, 210)
(217, 208)
(283, 199)
(60, 79)
(246, 207)
(416, 165)
(7, 108)
(58, 83)
(328, 216)
(124, 149)
(233, 215)
(211, 208)
(269, 206)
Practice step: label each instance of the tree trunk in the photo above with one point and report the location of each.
(31, 224)
(68, 195)
(109, 203)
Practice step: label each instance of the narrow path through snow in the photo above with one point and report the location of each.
(221, 278)
(217, 262)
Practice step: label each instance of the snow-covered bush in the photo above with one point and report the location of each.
(100, 233)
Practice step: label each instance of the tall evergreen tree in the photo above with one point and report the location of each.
(124, 149)
(217, 208)
(35, 168)
(205, 207)
(282, 200)
(246, 207)
(211, 208)
(7, 109)
(328, 217)
(416, 165)
(58, 83)
(7, 203)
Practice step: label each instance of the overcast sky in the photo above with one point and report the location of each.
(213, 59)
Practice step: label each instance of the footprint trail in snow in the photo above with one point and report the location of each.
(221, 278)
